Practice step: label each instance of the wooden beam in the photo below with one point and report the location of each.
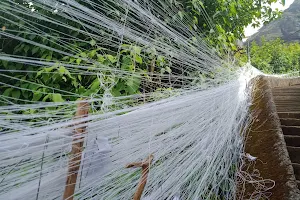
(76, 152)
(145, 171)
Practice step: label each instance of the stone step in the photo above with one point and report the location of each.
(289, 115)
(286, 97)
(286, 102)
(291, 130)
(288, 108)
(293, 93)
(278, 98)
(290, 122)
(286, 90)
(294, 153)
(296, 167)
(282, 108)
(293, 86)
(292, 140)
(287, 86)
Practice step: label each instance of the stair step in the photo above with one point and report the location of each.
(290, 122)
(295, 93)
(286, 102)
(296, 167)
(286, 90)
(289, 115)
(294, 86)
(294, 153)
(291, 130)
(279, 98)
(292, 140)
(288, 108)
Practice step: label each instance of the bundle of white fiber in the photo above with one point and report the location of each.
(193, 122)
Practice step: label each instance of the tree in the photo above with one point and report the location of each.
(274, 56)
(221, 21)
(224, 21)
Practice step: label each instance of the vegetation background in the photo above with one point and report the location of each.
(229, 18)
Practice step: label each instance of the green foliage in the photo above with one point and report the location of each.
(226, 19)
(275, 56)
(46, 83)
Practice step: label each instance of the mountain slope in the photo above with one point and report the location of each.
(286, 28)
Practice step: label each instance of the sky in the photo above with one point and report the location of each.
(250, 30)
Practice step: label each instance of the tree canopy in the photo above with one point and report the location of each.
(227, 19)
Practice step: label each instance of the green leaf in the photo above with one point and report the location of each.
(36, 96)
(33, 86)
(133, 84)
(92, 42)
(16, 94)
(19, 66)
(7, 92)
(126, 62)
(4, 62)
(195, 20)
(138, 59)
(34, 50)
(111, 58)
(116, 90)
(65, 58)
(24, 85)
(83, 55)
(39, 73)
(27, 47)
(61, 70)
(25, 94)
(46, 97)
(79, 77)
(17, 49)
(100, 58)
(49, 57)
(78, 61)
(233, 9)
(57, 98)
(81, 90)
(92, 53)
(95, 84)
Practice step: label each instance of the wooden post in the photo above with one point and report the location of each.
(145, 170)
(76, 153)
